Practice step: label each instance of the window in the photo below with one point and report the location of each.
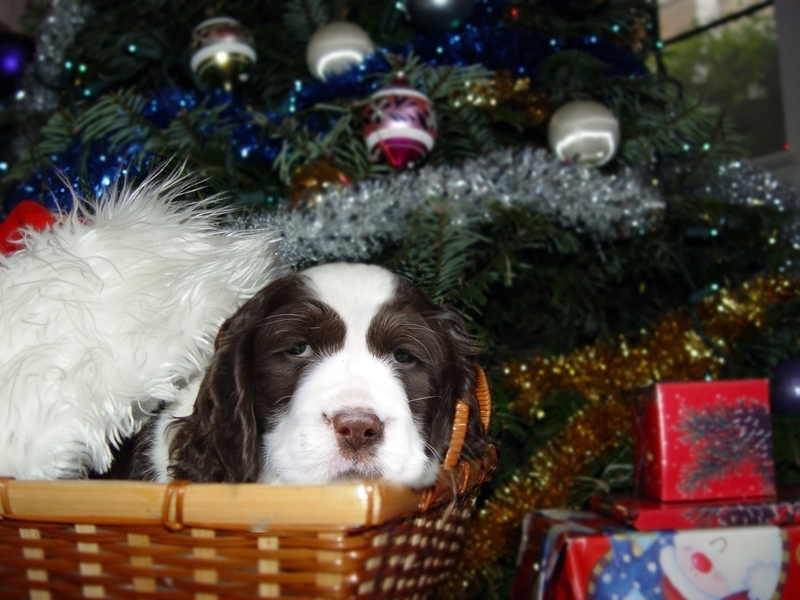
(731, 52)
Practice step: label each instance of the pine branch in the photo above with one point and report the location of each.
(464, 132)
(116, 117)
(303, 17)
(660, 120)
(58, 133)
(438, 252)
(301, 146)
(572, 75)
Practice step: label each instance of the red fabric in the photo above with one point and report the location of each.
(27, 213)
(670, 591)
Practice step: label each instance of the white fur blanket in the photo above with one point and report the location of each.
(109, 312)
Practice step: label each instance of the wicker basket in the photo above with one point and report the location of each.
(124, 539)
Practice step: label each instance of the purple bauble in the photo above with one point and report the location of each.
(16, 51)
(784, 393)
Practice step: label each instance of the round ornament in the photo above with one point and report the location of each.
(222, 53)
(784, 389)
(16, 52)
(585, 133)
(439, 15)
(399, 124)
(336, 47)
(310, 183)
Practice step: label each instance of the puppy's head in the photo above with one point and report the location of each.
(341, 371)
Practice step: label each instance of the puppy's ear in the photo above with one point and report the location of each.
(219, 441)
(460, 382)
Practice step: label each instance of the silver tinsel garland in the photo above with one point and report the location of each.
(55, 33)
(741, 183)
(354, 223)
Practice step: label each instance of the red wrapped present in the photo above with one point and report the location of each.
(703, 440)
(581, 556)
(645, 514)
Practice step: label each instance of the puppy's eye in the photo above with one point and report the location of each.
(300, 349)
(403, 357)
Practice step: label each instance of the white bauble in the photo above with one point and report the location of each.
(585, 133)
(336, 47)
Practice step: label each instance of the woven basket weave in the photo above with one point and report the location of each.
(126, 539)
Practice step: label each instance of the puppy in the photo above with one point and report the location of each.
(338, 372)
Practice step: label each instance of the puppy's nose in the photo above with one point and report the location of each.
(357, 428)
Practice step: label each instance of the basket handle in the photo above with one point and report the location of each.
(177, 490)
(462, 418)
(483, 396)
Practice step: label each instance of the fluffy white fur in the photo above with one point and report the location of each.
(109, 312)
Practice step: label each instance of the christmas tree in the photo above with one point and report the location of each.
(530, 163)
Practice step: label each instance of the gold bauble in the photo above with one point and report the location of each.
(310, 182)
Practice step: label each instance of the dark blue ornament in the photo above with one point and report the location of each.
(439, 15)
(784, 389)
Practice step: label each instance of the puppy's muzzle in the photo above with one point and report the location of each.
(357, 429)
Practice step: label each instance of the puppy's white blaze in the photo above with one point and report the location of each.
(355, 291)
(303, 447)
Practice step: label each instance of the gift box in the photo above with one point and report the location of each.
(645, 514)
(703, 440)
(581, 556)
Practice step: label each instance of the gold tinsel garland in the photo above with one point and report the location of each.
(677, 347)
(517, 94)
(674, 349)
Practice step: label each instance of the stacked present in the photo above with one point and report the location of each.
(706, 522)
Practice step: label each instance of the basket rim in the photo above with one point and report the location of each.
(234, 506)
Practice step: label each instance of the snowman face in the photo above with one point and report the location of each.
(719, 562)
(701, 561)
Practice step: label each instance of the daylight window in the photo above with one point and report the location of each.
(727, 52)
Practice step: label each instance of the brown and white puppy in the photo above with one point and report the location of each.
(337, 372)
